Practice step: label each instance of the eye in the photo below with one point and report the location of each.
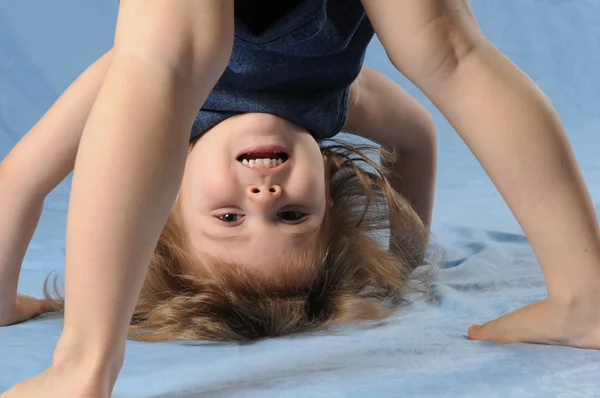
(230, 218)
(291, 216)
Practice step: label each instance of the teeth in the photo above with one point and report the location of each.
(266, 163)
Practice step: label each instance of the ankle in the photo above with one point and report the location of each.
(77, 383)
(95, 364)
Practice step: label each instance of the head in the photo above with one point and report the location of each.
(255, 188)
(252, 251)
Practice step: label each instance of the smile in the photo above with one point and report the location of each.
(263, 158)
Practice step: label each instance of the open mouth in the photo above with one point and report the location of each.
(263, 159)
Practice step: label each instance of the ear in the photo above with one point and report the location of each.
(327, 181)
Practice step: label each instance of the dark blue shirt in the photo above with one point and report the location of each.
(299, 68)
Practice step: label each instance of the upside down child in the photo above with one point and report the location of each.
(208, 201)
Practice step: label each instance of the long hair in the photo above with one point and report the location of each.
(353, 274)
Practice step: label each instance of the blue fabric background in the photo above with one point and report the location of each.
(423, 352)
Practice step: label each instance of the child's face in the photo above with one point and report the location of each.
(252, 215)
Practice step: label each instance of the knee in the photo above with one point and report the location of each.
(195, 39)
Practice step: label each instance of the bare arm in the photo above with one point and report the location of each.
(516, 135)
(35, 166)
(381, 111)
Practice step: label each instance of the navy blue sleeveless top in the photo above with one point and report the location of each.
(298, 68)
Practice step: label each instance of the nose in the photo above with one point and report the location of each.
(264, 193)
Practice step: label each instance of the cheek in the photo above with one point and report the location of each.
(310, 185)
(215, 187)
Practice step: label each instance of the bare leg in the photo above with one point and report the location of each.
(167, 57)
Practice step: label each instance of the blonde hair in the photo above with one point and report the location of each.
(351, 276)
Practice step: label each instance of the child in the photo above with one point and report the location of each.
(167, 57)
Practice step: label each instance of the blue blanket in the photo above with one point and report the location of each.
(489, 268)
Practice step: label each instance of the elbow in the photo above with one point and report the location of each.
(8, 175)
(436, 70)
(438, 61)
(14, 182)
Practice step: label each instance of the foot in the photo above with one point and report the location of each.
(54, 384)
(546, 322)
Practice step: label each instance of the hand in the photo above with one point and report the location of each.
(25, 308)
(547, 322)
